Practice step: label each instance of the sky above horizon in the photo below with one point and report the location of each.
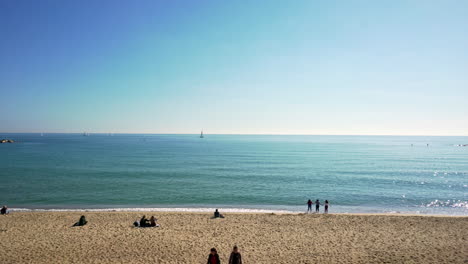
(235, 67)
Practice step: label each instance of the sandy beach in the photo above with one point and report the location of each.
(109, 237)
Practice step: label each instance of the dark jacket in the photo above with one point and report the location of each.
(235, 258)
(144, 222)
(216, 256)
(81, 222)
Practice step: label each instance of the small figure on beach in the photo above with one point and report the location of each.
(4, 210)
(309, 205)
(235, 257)
(217, 214)
(81, 222)
(317, 206)
(144, 222)
(326, 206)
(153, 222)
(213, 258)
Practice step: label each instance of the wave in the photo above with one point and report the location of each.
(448, 203)
(191, 210)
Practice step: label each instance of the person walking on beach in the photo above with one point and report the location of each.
(213, 258)
(317, 206)
(326, 206)
(235, 257)
(309, 205)
(4, 210)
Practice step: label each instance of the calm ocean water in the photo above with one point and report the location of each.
(355, 173)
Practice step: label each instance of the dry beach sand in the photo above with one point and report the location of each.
(109, 237)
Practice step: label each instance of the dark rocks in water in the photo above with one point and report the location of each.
(6, 141)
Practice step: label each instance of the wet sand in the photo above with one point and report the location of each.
(109, 237)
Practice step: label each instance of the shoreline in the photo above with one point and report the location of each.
(457, 212)
(227, 210)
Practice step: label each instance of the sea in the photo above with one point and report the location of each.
(236, 173)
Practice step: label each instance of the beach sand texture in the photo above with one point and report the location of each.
(109, 237)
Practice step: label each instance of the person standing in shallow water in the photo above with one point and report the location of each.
(235, 257)
(213, 258)
(317, 206)
(309, 205)
(326, 206)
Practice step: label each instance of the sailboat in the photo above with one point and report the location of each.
(201, 134)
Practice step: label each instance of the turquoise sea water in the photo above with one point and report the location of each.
(355, 173)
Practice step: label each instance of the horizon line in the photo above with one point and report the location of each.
(234, 134)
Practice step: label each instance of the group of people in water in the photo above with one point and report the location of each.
(234, 258)
(317, 206)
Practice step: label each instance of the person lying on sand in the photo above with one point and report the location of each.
(217, 214)
(213, 258)
(235, 257)
(81, 222)
(4, 210)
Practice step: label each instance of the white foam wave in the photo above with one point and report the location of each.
(448, 203)
(191, 210)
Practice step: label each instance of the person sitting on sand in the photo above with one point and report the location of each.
(153, 222)
(235, 257)
(144, 222)
(213, 258)
(217, 214)
(309, 205)
(326, 206)
(317, 206)
(4, 210)
(81, 222)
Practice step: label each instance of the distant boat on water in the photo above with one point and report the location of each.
(85, 134)
(201, 134)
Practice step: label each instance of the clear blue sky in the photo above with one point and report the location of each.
(270, 67)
